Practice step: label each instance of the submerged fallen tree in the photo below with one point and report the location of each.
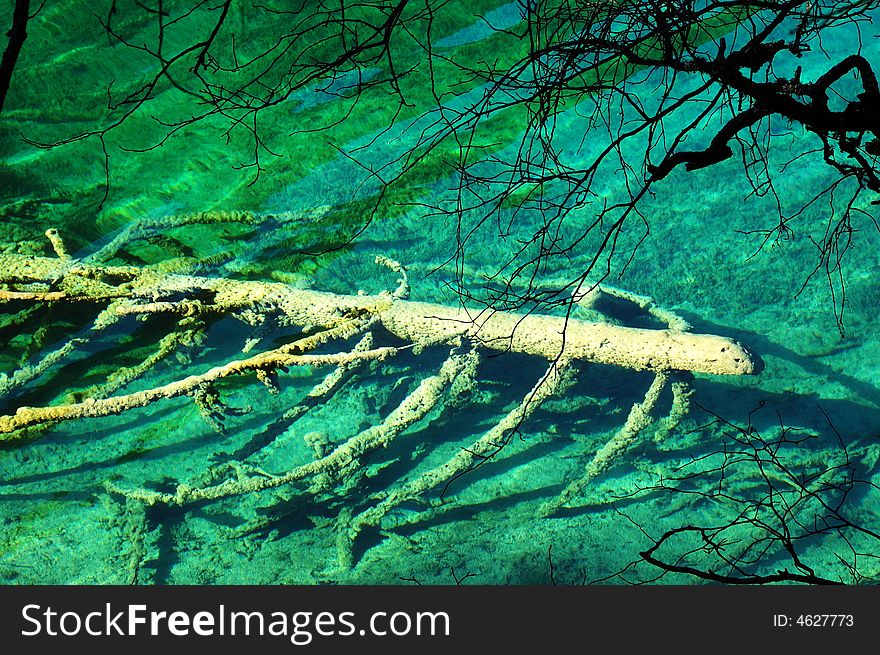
(324, 319)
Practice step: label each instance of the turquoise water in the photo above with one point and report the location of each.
(796, 436)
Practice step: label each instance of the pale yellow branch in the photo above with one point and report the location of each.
(37, 296)
(90, 408)
(638, 419)
(57, 243)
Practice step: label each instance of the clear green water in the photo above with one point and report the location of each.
(58, 525)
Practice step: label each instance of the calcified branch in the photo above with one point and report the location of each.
(637, 421)
(319, 394)
(590, 296)
(342, 461)
(194, 385)
(682, 392)
(481, 451)
(49, 296)
(640, 417)
(41, 290)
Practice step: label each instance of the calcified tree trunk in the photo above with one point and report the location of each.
(349, 323)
